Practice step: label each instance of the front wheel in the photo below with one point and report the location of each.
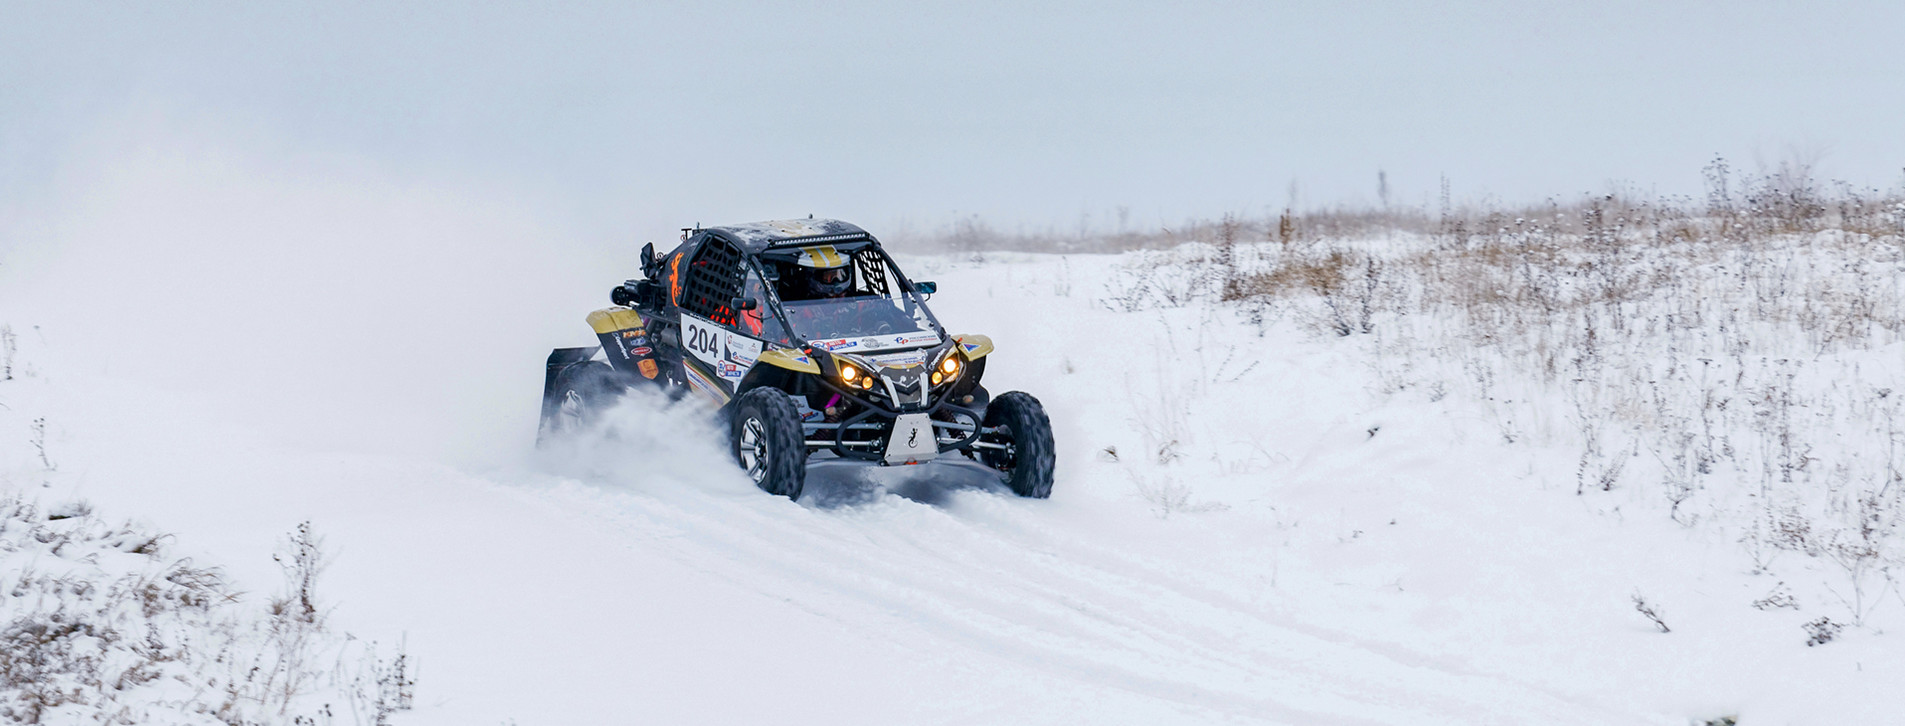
(1024, 452)
(769, 442)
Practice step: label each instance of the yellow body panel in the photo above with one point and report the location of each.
(790, 359)
(609, 320)
(974, 347)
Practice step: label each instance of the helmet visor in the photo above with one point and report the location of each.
(835, 276)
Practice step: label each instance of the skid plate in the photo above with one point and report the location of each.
(913, 440)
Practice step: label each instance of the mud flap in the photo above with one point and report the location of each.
(560, 359)
(913, 440)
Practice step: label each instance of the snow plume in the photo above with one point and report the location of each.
(676, 450)
(647, 442)
(326, 297)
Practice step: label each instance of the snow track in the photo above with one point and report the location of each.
(998, 581)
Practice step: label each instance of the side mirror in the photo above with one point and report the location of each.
(926, 287)
(648, 259)
(622, 295)
(744, 303)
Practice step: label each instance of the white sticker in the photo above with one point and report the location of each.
(702, 339)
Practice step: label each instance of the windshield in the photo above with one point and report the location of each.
(868, 322)
(848, 299)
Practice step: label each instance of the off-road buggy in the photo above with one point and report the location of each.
(809, 340)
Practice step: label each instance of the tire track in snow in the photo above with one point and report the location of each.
(994, 576)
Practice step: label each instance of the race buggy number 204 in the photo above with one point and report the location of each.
(810, 341)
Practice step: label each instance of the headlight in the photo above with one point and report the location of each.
(947, 369)
(848, 373)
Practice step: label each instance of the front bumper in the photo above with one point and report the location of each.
(889, 436)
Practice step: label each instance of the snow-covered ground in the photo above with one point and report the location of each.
(1251, 524)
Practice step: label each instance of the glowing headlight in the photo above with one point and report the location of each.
(848, 372)
(950, 366)
(937, 378)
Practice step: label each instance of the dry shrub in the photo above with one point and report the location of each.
(1324, 276)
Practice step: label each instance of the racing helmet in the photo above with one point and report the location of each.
(826, 268)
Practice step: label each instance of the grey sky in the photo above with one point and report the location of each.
(645, 116)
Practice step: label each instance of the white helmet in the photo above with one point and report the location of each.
(826, 269)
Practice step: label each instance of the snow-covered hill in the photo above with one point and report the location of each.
(1249, 524)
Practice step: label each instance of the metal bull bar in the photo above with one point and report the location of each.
(966, 435)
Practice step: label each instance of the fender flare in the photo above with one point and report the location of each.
(973, 346)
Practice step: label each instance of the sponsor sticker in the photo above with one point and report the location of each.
(640, 351)
(648, 368)
(900, 360)
(738, 354)
(705, 386)
(742, 349)
(915, 338)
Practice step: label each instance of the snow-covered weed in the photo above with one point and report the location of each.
(1650, 611)
(1166, 496)
(39, 444)
(1164, 279)
(1162, 415)
(100, 623)
(1822, 631)
(9, 346)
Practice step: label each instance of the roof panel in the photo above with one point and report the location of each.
(756, 236)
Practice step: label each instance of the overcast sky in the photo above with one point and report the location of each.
(646, 116)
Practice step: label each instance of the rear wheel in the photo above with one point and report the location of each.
(768, 441)
(582, 392)
(1024, 453)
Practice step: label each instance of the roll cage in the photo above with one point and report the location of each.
(709, 276)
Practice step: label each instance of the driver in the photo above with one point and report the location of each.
(827, 274)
